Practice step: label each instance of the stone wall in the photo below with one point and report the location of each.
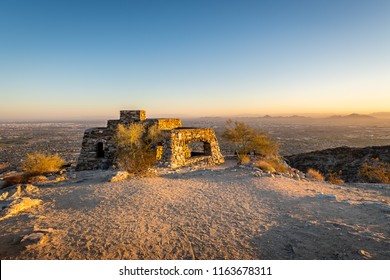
(98, 149)
(132, 115)
(175, 145)
(88, 158)
(168, 124)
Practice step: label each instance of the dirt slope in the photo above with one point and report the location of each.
(205, 214)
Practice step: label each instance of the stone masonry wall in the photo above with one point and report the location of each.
(132, 115)
(165, 124)
(88, 159)
(174, 147)
(98, 149)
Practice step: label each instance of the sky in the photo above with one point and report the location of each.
(90, 59)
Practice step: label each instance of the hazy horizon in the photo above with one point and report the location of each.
(183, 116)
(90, 59)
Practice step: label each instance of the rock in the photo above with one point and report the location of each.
(59, 179)
(380, 206)
(365, 254)
(20, 205)
(35, 237)
(327, 196)
(22, 190)
(120, 176)
(4, 195)
(345, 159)
(4, 204)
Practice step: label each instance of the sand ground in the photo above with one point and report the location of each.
(220, 213)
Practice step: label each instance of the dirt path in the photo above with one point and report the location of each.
(205, 214)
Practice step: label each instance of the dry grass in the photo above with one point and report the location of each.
(243, 159)
(312, 173)
(264, 165)
(41, 163)
(334, 178)
(271, 164)
(375, 171)
(277, 163)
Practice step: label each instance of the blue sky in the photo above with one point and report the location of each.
(79, 59)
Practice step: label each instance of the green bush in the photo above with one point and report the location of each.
(136, 147)
(246, 139)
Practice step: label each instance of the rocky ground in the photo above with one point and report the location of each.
(345, 161)
(224, 212)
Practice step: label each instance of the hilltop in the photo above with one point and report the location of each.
(223, 212)
(346, 160)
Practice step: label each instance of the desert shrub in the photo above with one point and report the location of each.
(274, 164)
(315, 174)
(375, 171)
(246, 139)
(41, 163)
(335, 178)
(278, 164)
(135, 147)
(264, 165)
(243, 159)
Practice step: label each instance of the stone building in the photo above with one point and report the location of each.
(181, 146)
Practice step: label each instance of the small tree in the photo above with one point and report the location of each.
(246, 139)
(135, 147)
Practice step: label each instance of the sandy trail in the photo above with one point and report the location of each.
(205, 214)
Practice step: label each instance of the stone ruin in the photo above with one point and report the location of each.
(181, 146)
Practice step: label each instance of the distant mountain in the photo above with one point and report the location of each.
(381, 115)
(352, 116)
(284, 117)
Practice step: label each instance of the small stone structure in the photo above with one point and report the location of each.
(181, 146)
